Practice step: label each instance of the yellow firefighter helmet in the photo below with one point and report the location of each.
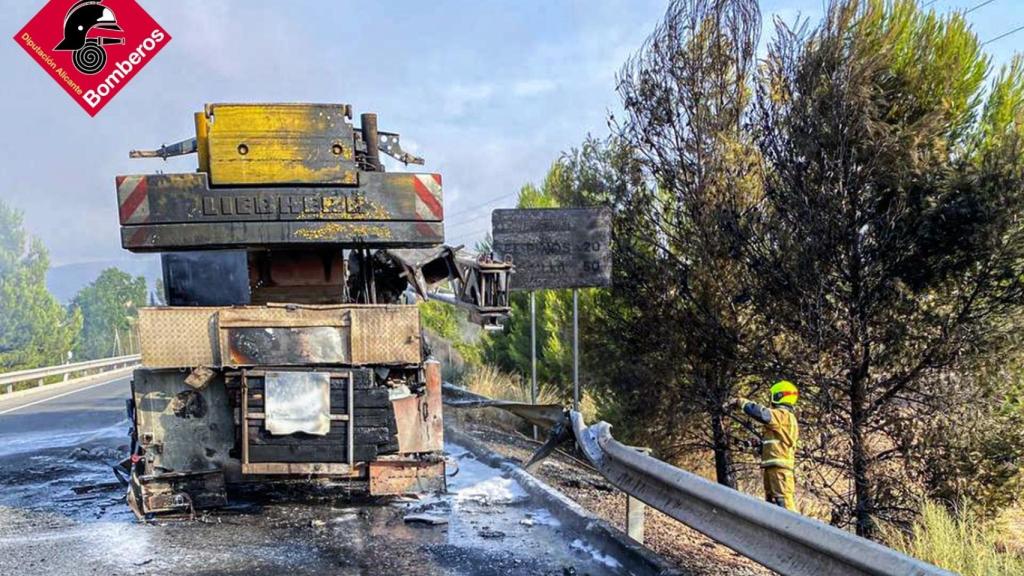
(784, 392)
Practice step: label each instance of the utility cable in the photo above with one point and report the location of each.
(976, 6)
(1004, 35)
(491, 201)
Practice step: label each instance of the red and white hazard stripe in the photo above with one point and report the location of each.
(133, 199)
(428, 196)
(429, 205)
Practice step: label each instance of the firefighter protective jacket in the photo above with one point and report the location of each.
(778, 447)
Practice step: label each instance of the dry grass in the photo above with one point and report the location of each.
(1011, 527)
(493, 383)
(962, 543)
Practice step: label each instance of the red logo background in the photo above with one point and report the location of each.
(46, 30)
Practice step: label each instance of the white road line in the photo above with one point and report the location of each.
(15, 409)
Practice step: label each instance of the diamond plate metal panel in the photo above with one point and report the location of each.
(186, 337)
(386, 335)
(178, 337)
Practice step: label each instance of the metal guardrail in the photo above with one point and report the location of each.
(38, 376)
(770, 535)
(784, 541)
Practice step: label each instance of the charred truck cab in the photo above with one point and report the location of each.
(291, 345)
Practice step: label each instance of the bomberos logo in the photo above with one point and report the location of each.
(92, 48)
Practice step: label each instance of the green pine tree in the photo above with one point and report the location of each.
(35, 330)
(109, 309)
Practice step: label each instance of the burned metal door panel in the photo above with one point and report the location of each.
(182, 429)
(374, 429)
(297, 402)
(286, 346)
(420, 425)
(367, 335)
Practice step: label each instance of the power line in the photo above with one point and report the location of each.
(1004, 35)
(470, 234)
(461, 229)
(976, 6)
(491, 201)
(469, 218)
(967, 11)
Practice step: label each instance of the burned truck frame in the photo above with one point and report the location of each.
(291, 346)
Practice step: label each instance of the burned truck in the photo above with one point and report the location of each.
(291, 346)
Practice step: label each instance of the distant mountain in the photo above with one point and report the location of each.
(65, 281)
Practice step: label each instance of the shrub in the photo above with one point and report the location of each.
(960, 542)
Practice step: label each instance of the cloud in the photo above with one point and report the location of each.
(451, 77)
(525, 88)
(456, 99)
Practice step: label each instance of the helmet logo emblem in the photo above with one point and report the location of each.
(92, 48)
(87, 29)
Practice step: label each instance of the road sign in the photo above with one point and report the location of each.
(555, 247)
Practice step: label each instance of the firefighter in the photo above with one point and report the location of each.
(778, 446)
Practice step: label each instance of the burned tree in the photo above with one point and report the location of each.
(685, 94)
(888, 251)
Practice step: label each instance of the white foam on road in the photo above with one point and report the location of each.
(594, 553)
(478, 482)
(541, 517)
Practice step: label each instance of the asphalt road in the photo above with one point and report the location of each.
(66, 415)
(56, 441)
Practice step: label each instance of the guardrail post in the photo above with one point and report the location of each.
(10, 388)
(635, 513)
(40, 383)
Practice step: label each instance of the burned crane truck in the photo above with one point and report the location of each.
(291, 346)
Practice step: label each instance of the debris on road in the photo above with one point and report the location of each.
(99, 487)
(493, 534)
(431, 519)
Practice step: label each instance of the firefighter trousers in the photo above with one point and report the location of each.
(780, 487)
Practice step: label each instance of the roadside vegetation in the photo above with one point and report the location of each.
(842, 209)
(36, 330)
(957, 540)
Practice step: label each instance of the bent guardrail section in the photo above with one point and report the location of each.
(772, 536)
(38, 376)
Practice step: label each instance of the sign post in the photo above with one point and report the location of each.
(576, 349)
(555, 248)
(533, 353)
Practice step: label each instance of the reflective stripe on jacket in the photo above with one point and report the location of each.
(778, 447)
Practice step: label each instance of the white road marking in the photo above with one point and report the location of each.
(15, 409)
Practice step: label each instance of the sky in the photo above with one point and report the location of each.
(490, 93)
